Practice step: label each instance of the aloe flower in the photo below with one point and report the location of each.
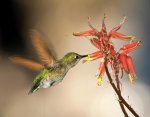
(131, 68)
(103, 35)
(126, 60)
(130, 47)
(119, 60)
(101, 72)
(123, 61)
(93, 56)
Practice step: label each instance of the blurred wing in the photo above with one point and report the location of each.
(26, 63)
(41, 48)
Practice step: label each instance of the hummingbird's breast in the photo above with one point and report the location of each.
(55, 76)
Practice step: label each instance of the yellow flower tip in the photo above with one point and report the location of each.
(130, 38)
(132, 78)
(99, 80)
(87, 59)
(75, 34)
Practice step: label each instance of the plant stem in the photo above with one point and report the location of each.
(121, 99)
(121, 104)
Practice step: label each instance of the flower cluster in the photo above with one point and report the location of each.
(119, 60)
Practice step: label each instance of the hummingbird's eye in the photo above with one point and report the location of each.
(77, 56)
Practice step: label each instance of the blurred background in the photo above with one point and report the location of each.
(78, 95)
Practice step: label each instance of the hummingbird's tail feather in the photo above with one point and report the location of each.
(33, 89)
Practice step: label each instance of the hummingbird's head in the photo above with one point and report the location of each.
(72, 58)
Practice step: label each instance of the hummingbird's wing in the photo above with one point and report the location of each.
(32, 65)
(42, 50)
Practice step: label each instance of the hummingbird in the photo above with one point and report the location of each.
(51, 71)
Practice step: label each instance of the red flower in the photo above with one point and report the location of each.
(101, 72)
(94, 56)
(103, 33)
(123, 60)
(128, 66)
(131, 69)
(86, 33)
(121, 36)
(102, 41)
(126, 61)
(130, 47)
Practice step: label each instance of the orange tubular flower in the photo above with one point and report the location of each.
(96, 54)
(121, 36)
(101, 72)
(128, 66)
(131, 69)
(92, 32)
(114, 34)
(123, 58)
(93, 56)
(102, 35)
(127, 62)
(130, 47)
(86, 33)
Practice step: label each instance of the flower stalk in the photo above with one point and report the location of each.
(121, 99)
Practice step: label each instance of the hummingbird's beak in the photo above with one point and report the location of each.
(83, 56)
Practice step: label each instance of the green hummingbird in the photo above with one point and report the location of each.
(51, 71)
